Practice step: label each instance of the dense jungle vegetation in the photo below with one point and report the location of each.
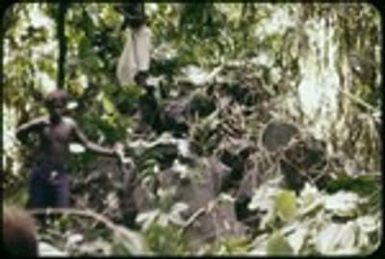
(262, 137)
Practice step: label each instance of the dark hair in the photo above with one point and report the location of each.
(19, 233)
(134, 14)
(56, 95)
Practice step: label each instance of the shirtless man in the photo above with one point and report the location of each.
(49, 181)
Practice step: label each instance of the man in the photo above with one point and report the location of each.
(134, 64)
(49, 181)
(134, 61)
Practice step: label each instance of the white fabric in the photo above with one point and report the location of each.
(136, 54)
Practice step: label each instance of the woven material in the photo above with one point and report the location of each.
(135, 56)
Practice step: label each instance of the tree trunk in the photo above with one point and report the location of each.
(62, 9)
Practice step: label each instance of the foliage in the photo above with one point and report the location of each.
(226, 70)
(166, 240)
(332, 224)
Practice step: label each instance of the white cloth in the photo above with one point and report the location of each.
(136, 54)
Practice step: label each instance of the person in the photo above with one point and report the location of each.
(134, 61)
(49, 180)
(19, 233)
(134, 64)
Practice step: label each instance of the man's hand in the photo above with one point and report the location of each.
(126, 162)
(119, 150)
(141, 79)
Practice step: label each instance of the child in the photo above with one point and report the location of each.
(49, 181)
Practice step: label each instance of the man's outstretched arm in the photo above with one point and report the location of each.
(82, 138)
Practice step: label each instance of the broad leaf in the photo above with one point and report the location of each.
(76, 148)
(297, 239)
(342, 203)
(337, 239)
(285, 205)
(368, 224)
(278, 245)
(310, 199)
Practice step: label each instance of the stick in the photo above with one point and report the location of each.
(193, 217)
(87, 213)
(84, 213)
(358, 100)
(214, 73)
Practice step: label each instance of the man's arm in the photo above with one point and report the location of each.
(30, 126)
(82, 138)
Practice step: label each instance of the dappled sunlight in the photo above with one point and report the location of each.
(236, 129)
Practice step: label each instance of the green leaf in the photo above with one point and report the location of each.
(72, 105)
(337, 239)
(84, 47)
(297, 238)
(368, 223)
(268, 219)
(76, 148)
(278, 245)
(130, 242)
(310, 199)
(108, 105)
(147, 218)
(263, 198)
(285, 205)
(363, 184)
(343, 204)
(325, 241)
(175, 214)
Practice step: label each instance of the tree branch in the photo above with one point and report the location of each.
(193, 217)
(86, 213)
(358, 100)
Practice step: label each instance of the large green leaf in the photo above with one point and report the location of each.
(132, 242)
(337, 239)
(108, 105)
(298, 237)
(368, 223)
(363, 184)
(278, 245)
(310, 199)
(286, 205)
(343, 204)
(263, 198)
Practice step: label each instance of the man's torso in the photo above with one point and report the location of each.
(54, 142)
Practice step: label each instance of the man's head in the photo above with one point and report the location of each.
(56, 102)
(19, 233)
(133, 13)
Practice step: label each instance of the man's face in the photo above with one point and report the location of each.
(56, 107)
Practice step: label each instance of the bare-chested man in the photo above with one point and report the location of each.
(49, 181)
